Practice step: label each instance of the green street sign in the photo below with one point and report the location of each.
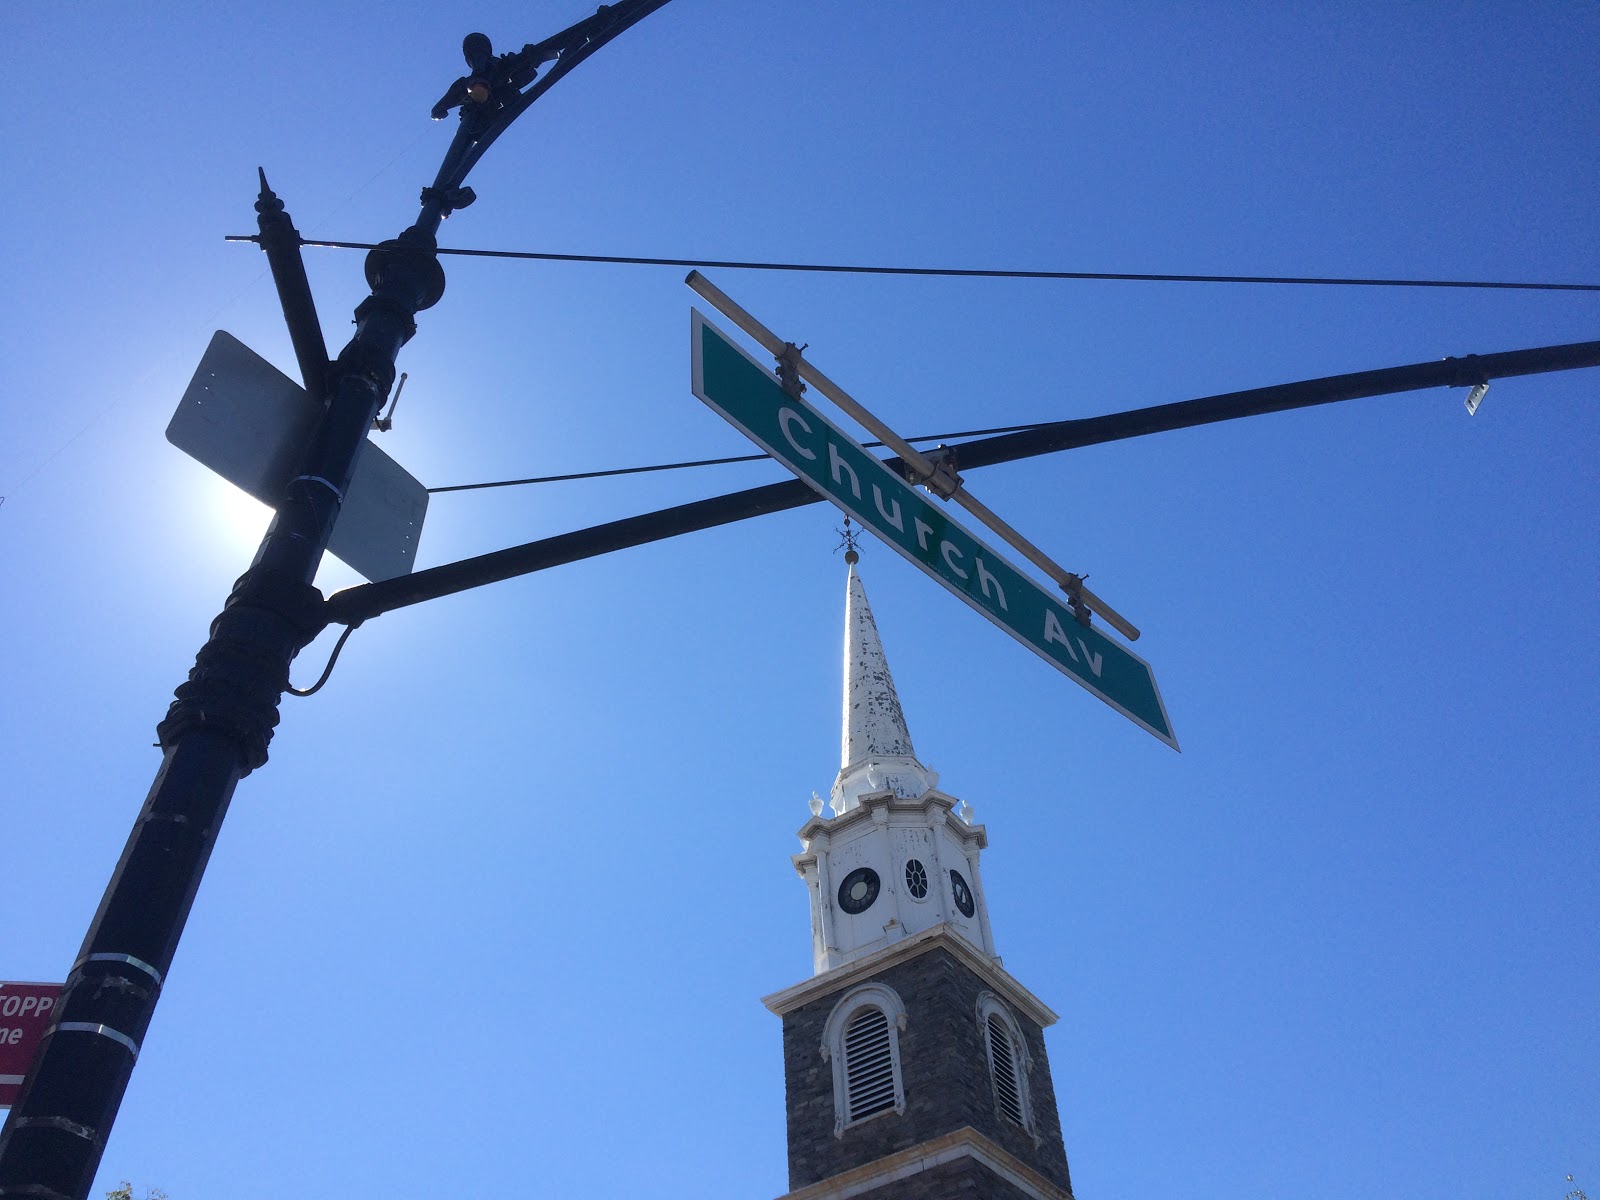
(750, 398)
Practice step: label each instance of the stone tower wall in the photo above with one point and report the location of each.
(945, 1069)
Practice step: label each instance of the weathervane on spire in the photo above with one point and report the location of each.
(851, 555)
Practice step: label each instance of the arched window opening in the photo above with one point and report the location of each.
(868, 1065)
(862, 1040)
(1006, 1084)
(1009, 1063)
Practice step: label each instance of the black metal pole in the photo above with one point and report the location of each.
(355, 605)
(214, 734)
(218, 728)
(281, 241)
(1358, 385)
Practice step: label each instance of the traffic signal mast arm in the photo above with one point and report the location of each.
(938, 477)
(357, 604)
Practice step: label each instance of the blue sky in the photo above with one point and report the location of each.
(497, 914)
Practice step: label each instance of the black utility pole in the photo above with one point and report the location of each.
(217, 730)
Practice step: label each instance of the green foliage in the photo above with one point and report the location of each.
(125, 1192)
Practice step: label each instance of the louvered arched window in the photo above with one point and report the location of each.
(862, 1040)
(1003, 1059)
(868, 1065)
(1008, 1059)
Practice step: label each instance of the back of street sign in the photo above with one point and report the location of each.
(247, 421)
(750, 397)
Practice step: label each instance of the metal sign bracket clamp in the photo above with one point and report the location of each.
(942, 480)
(1073, 587)
(788, 369)
(938, 478)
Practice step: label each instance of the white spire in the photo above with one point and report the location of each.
(894, 861)
(875, 753)
(874, 725)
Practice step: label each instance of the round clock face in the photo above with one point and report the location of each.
(859, 890)
(962, 893)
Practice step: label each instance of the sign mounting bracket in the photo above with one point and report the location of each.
(939, 478)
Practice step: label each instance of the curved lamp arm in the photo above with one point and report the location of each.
(501, 87)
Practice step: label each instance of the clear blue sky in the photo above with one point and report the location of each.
(496, 917)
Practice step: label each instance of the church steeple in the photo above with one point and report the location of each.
(875, 748)
(897, 856)
(914, 1064)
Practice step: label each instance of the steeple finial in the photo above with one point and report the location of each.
(849, 535)
(875, 751)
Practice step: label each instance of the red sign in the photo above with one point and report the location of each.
(26, 1010)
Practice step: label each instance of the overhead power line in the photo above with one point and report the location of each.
(969, 273)
(704, 462)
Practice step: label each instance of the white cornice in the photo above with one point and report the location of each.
(833, 827)
(938, 937)
(965, 1142)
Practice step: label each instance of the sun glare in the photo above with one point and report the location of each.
(234, 523)
(236, 520)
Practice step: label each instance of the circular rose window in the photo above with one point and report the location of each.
(916, 879)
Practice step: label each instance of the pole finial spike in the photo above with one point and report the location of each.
(267, 203)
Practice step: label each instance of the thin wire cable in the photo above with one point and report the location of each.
(118, 397)
(499, 483)
(324, 218)
(971, 273)
(327, 670)
(704, 462)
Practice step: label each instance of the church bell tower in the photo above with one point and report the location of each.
(914, 1065)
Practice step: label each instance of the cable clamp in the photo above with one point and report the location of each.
(129, 959)
(1469, 373)
(98, 1030)
(337, 494)
(58, 1123)
(943, 481)
(449, 200)
(1073, 587)
(789, 369)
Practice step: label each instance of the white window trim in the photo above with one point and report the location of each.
(869, 995)
(991, 1005)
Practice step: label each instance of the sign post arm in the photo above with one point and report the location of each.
(365, 601)
(1464, 371)
(356, 604)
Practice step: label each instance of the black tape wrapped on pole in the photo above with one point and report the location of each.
(218, 728)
